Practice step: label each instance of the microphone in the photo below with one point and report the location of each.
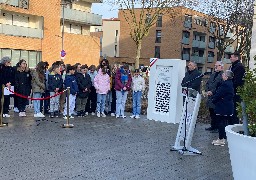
(200, 76)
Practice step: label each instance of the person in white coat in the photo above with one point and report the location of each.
(138, 86)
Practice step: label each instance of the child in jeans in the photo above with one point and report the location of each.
(70, 81)
(55, 84)
(138, 86)
(102, 86)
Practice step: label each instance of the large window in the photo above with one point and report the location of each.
(157, 51)
(159, 21)
(32, 57)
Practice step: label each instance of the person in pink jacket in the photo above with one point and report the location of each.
(102, 86)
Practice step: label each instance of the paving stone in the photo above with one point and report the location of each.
(105, 148)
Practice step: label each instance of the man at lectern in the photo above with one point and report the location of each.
(191, 74)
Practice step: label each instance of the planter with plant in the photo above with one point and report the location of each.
(242, 137)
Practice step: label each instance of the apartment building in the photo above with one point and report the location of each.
(188, 36)
(33, 30)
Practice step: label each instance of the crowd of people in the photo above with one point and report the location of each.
(100, 90)
(221, 91)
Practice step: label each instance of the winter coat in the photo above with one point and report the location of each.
(83, 82)
(211, 85)
(38, 85)
(102, 83)
(7, 74)
(70, 81)
(194, 84)
(23, 82)
(55, 81)
(138, 83)
(223, 99)
(119, 85)
(238, 69)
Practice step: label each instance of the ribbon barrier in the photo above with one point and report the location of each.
(68, 125)
(2, 108)
(26, 97)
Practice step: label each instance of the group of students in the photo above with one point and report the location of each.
(97, 90)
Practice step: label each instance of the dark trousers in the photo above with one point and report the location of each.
(214, 121)
(234, 119)
(22, 102)
(222, 123)
(45, 103)
(6, 104)
(91, 101)
(113, 104)
(15, 99)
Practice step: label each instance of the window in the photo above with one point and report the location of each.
(186, 34)
(211, 42)
(157, 51)
(188, 18)
(221, 30)
(158, 36)
(209, 70)
(115, 51)
(200, 69)
(116, 35)
(159, 21)
(202, 38)
(210, 54)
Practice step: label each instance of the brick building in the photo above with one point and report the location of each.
(188, 36)
(32, 30)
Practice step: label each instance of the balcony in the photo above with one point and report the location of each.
(202, 45)
(212, 29)
(210, 59)
(195, 44)
(20, 31)
(185, 40)
(187, 24)
(185, 57)
(194, 58)
(230, 49)
(226, 61)
(82, 17)
(93, 1)
(211, 45)
(16, 3)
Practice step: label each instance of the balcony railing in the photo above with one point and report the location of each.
(201, 60)
(187, 24)
(93, 1)
(16, 3)
(230, 49)
(202, 45)
(20, 31)
(194, 58)
(82, 17)
(185, 40)
(226, 61)
(185, 57)
(195, 43)
(210, 59)
(211, 45)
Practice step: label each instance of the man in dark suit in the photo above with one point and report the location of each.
(238, 70)
(191, 74)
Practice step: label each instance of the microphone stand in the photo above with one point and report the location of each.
(184, 149)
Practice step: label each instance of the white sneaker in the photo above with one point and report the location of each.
(86, 113)
(117, 116)
(219, 142)
(93, 113)
(40, 115)
(36, 115)
(71, 117)
(15, 109)
(6, 115)
(112, 114)
(123, 116)
(103, 114)
(98, 114)
(132, 116)
(137, 117)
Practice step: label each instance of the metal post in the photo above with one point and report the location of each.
(2, 108)
(63, 21)
(68, 125)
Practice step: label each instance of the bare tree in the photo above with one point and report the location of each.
(141, 15)
(233, 21)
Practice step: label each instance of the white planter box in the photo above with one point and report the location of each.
(242, 150)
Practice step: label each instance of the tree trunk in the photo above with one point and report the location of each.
(137, 59)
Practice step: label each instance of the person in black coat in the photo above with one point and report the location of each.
(192, 73)
(210, 88)
(84, 84)
(22, 85)
(239, 71)
(7, 79)
(224, 105)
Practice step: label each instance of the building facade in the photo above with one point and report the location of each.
(188, 36)
(33, 30)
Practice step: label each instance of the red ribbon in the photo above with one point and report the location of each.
(25, 97)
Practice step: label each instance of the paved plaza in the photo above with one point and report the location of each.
(105, 148)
